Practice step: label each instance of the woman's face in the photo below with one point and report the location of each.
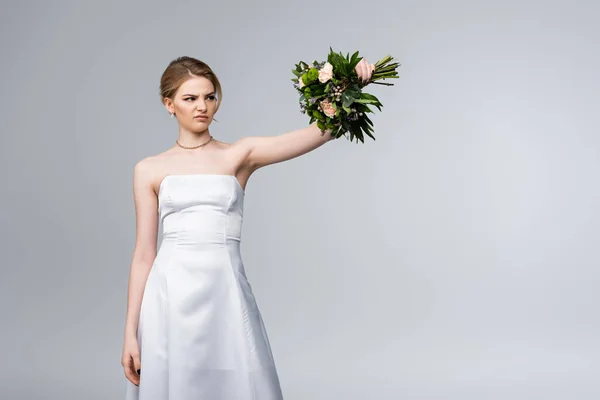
(195, 97)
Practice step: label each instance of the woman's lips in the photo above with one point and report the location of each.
(201, 118)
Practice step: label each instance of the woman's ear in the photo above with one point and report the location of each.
(169, 105)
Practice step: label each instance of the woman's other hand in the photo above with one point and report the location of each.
(131, 360)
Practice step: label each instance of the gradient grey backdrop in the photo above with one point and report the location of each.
(456, 257)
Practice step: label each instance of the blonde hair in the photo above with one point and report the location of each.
(180, 70)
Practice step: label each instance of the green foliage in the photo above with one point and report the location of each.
(344, 92)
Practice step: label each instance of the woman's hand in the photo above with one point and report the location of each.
(131, 360)
(364, 69)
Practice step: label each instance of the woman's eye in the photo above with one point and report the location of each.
(211, 97)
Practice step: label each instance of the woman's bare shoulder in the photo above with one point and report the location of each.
(152, 162)
(150, 168)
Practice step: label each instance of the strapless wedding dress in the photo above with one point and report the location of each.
(200, 332)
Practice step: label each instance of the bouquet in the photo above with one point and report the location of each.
(331, 93)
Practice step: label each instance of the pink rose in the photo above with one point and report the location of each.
(327, 108)
(326, 72)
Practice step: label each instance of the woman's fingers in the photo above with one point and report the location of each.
(130, 372)
(364, 70)
(361, 69)
(369, 68)
(358, 70)
(136, 363)
(365, 75)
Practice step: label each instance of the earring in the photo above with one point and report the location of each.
(172, 115)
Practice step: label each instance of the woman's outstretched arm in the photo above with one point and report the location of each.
(265, 150)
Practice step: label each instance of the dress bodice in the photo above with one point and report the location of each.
(200, 209)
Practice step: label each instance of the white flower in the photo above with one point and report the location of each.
(327, 108)
(300, 83)
(326, 72)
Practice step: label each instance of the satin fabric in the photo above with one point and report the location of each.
(200, 332)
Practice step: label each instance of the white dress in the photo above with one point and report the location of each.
(200, 332)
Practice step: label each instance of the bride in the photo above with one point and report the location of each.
(193, 328)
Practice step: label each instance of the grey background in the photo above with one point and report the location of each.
(456, 257)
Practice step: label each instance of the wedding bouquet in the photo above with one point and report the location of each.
(331, 93)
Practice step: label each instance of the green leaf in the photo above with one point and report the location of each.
(362, 108)
(368, 96)
(365, 127)
(353, 90)
(347, 99)
(364, 101)
(355, 59)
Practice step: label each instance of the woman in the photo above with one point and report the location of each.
(193, 329)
